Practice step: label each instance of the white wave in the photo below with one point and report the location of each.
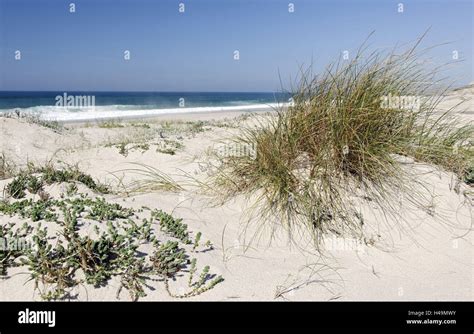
(64, 114)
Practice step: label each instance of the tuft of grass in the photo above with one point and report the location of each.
(110, 124)
(205, 282)
(337, 140)
(124, 149)
(24, 181)
(34, 184)
(71, 189)
(7, 167)
(16, 188)
(141, 125)
(168, 146)
(154, 180)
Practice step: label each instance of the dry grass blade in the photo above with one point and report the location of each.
(154, 180)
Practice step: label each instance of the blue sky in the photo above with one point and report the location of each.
(193, 51)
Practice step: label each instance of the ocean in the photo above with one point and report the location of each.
(70, 106)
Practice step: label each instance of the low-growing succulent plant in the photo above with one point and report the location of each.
(12, 245)
(196, 241)
(54, 260)
(168, 259)
(204, 283)
(172, 226)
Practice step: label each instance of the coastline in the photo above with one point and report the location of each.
(53, 114)
(185, 115)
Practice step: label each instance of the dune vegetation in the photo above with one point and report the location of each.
(345, 135)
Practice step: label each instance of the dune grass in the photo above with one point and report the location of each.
(339, 139)
(7, 167)
(152, 179)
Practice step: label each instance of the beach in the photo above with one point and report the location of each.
(429, 257)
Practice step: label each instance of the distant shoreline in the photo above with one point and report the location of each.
(186, 116)
(198, 113)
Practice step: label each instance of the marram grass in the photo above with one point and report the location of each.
(339, 139)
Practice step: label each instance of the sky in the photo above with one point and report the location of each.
(194, 50)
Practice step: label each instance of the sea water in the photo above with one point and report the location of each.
(70, 106)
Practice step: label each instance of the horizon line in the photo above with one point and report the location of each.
(139, 91)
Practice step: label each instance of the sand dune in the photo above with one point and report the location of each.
(428, 257)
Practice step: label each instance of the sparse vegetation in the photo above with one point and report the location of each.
(35, 118)
(51, 175)
(124, 148)
(172, 226)
(16, 188)
(168, 146)
(33, 179)
(153, 180)
(54, 259)
(110, 124)
(7, 167)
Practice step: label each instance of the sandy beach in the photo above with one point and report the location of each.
(429, 257)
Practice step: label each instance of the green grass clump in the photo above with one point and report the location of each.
(34, 184)
(7, 167)
(205, 282)
(25, 181)
(16, 188)
(125, 147)
(337, 141)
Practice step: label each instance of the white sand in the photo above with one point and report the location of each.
(428, 258)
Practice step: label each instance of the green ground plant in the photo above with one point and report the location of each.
(54, 260)
(173, 226)
(34, 178)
